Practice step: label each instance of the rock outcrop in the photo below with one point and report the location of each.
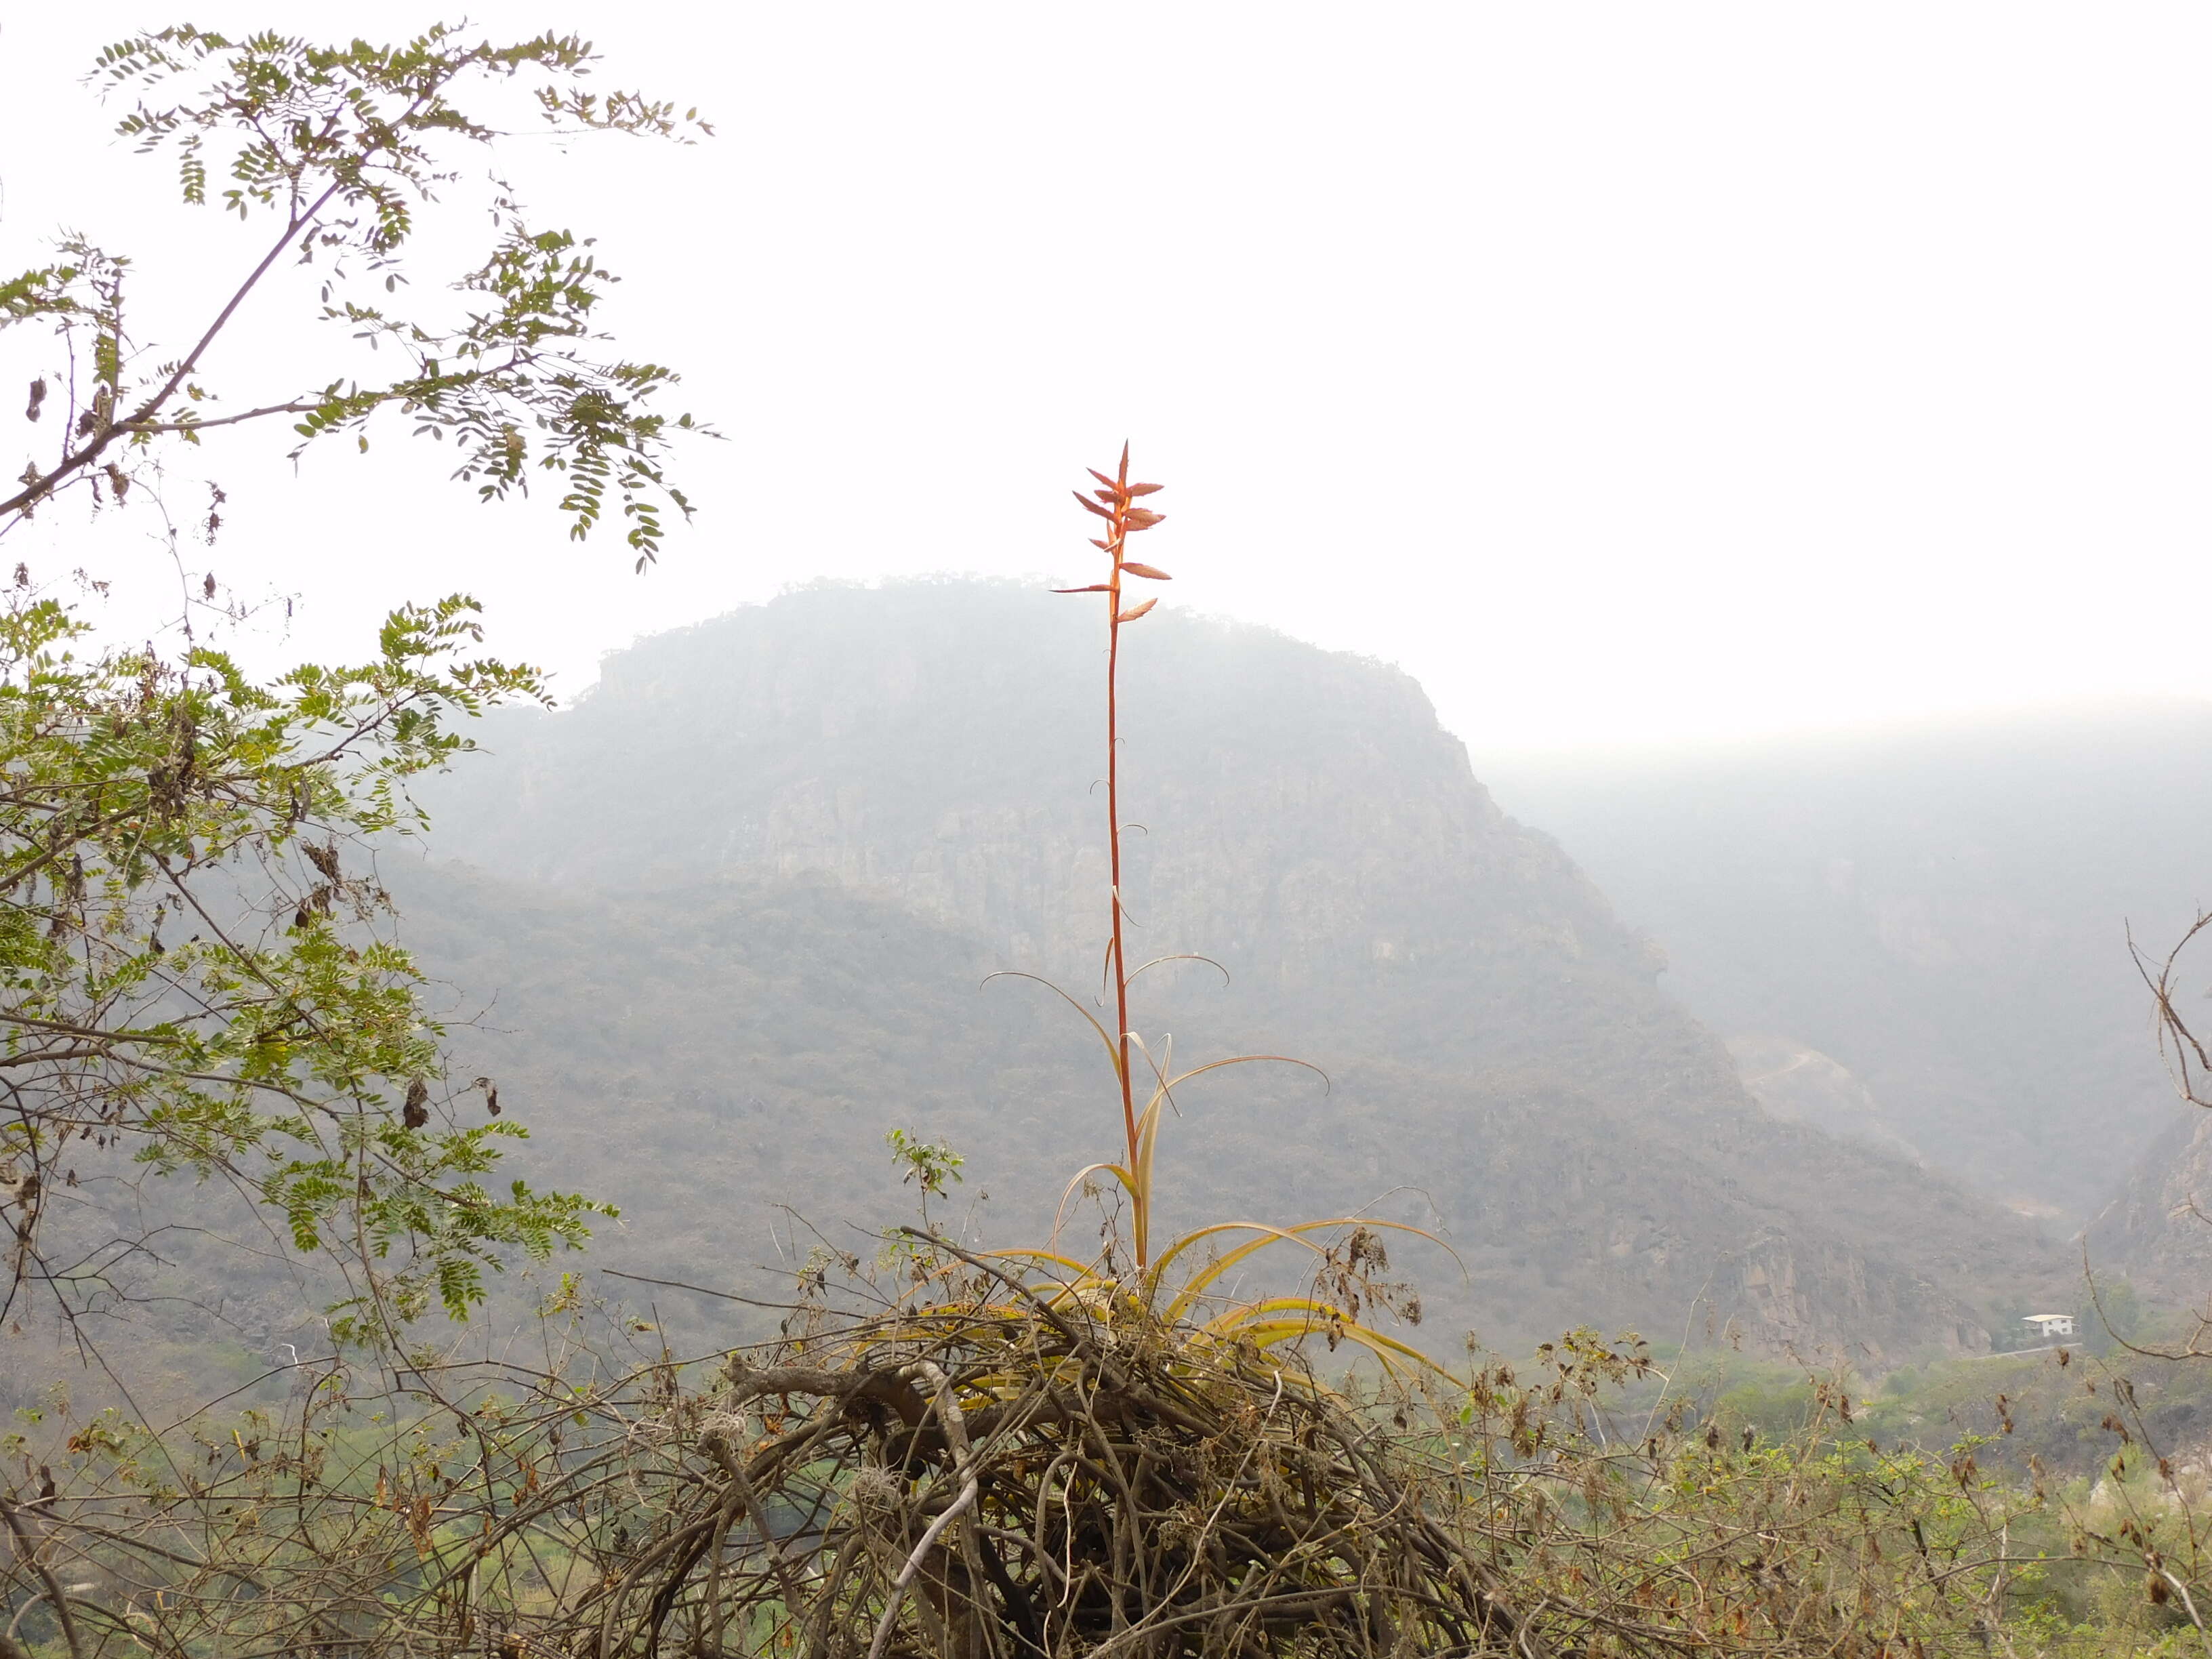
(2157, 1231)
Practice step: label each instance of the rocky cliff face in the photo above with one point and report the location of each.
(938, 743)
(1497, 1034)
(2158, 1231)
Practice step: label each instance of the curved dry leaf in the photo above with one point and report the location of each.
(1136, 611)
(1153, 571)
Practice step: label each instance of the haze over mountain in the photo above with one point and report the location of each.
(733, 906)
(1920, 938)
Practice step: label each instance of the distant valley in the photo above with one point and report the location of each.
(1940, 915)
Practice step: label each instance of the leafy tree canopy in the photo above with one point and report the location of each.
(197, 978)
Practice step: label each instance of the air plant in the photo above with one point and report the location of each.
(1016, 1454)
(1124, 519)
(1350, 1271)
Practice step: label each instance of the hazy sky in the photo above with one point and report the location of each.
(1627, 373)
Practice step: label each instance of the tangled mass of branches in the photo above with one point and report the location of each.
(1009, 1476)
(1017, 1472)
(995, 1464)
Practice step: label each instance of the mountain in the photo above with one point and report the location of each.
(2157, 1231)
(734, 904)
(1942, 914)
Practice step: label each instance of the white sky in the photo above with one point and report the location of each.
(1627, 373)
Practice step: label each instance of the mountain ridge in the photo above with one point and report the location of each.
(927, 749)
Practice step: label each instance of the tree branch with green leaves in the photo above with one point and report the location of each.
(194, 970)
(342, 148)
(198, 973)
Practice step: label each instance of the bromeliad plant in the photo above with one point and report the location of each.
(1346, 1277)
(1124, 519)
(1021, 1453)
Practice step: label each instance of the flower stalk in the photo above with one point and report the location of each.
(1115, 501)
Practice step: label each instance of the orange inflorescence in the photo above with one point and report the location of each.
(1115, 501)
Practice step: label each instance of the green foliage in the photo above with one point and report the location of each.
(224, 1088)
(529, 1506)
(199, 979)
(342, 146)
(2063, 1413)
(930, 1164)
(194, 978)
